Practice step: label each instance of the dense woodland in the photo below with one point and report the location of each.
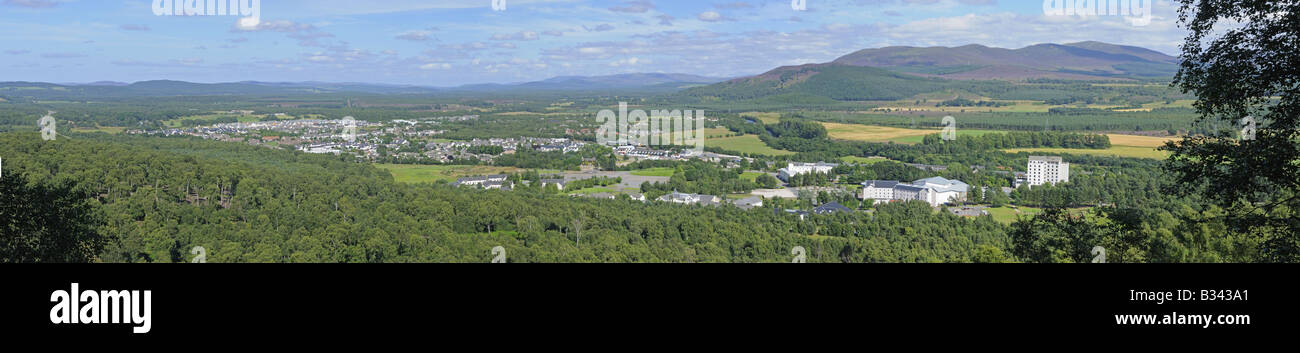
(153, 199)
(156, 198)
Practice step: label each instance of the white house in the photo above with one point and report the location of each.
(1047, 170)
(804, 168)
(559, 183)
(690, 199)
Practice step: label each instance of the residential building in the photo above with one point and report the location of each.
(470, 181)
(749, 202)
(490, 182)
(1047, 170)
(879, 190)
(804, 168)
(941, 190)
(829, 208)
(691, 199)
(559, 183)
(934, 191)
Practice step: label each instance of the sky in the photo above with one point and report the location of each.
(456, 42)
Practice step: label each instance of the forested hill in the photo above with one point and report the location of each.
(823, 82)
(894, 73)
(623, 83)
(1079, 61)
(156, 198)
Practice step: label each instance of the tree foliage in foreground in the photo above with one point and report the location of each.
(1240, 61)
(45, 223)
(160, 197)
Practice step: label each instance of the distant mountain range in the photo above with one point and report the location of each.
(636, 82)
(1083, 61)
(900, 72)
(882, 73)
(646, 81)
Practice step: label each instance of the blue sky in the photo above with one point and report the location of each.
(455, 42)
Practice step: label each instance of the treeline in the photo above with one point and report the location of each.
(486, 149)
(796, 128)
(1133, 235)
(1007, 140)
(160, 197)
(1159, 119)
(963, 102)
(699, 177)
(528, 158)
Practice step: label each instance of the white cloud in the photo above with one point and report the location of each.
(523, 35)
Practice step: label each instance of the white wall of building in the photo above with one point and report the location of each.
(1047, 170)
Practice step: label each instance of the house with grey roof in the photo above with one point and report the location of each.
(748, 202)
(830, 208)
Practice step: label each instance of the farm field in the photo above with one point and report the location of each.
(873, 133)
(655, 172)
(104, 129)
(709, 133)
(1131, 146)
(750, 176)
(241, 118)
(415, 174)
(1139, 141)
(745, 144)
(1013, 106)
(766, 118)
(1115, 151)
(912, 140)
(592, 190)
(863, 160)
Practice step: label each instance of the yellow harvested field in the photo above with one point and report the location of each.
(745, 144)
(1139, 141)
(869, 133)
(766, 118)
(1113, 151)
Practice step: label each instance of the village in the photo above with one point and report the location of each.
(937, 192)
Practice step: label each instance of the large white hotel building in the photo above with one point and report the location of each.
(1047, 170)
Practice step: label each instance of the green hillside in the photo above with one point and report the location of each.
(837, 82)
